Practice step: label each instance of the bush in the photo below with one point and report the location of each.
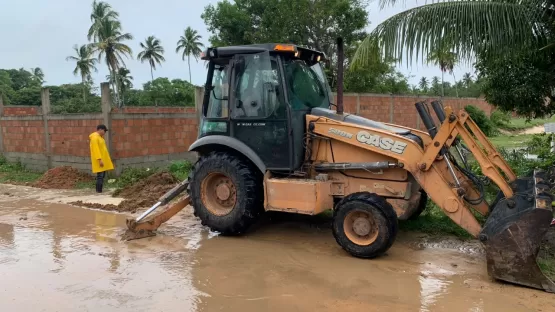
(482, 120)
(500, 119)
(181, 169)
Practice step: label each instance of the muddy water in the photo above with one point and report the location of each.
(55, 257)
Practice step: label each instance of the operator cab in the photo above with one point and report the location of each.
(258, 96)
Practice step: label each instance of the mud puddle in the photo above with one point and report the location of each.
(70, 259)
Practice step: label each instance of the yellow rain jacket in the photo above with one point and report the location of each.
(99, 151)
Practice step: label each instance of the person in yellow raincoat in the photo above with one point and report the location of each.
(100, 158)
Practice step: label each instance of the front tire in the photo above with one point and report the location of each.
(227, 193)
(365, 225)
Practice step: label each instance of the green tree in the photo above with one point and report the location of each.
(467, 80)
(101, 12)
(481, 29)
(436, 86)
(315, 24)
(445, 59)
(164, 92)
(473, 26)
(423, 84)
(522, 83)
(22, 78)
(123, 80)
(84, 65)
(152, 53)
(111, 46)
(37, 75)
(191, 45)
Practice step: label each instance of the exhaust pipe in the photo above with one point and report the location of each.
(340, 58)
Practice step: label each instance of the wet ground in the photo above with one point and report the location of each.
(57, 257)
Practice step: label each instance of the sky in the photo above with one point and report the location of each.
(42, 33)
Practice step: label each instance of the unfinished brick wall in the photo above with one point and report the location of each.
(400, 109)
(21, 111)
(150, 136)
(23, 136)
(140, 135)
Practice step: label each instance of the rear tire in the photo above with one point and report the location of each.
(227, 193)
(421, 205)
(365, 225)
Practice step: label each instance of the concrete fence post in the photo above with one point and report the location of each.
(1, 104)
(1, 124)
(45, 105)
(106, 102)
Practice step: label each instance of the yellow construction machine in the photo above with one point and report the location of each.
(270, 141)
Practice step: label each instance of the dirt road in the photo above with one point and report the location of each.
(57, 257)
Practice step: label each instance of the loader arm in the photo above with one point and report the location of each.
(515, 226)
(408, 153)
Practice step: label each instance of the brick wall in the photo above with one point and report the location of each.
(151, 136)
(21, 111)
(400, 109)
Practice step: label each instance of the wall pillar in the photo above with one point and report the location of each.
(1, 128)
(45, 105)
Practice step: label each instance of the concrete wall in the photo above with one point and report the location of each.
(152, 136)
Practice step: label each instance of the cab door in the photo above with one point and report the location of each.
(258, 110)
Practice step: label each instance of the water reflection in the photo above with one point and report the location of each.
(93, 270)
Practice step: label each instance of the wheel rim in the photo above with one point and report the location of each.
(218, 193)
(360, 227)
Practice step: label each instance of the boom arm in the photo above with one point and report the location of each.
(430, 166)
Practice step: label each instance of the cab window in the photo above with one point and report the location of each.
(218, 102)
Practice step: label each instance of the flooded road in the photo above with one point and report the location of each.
(57, 257)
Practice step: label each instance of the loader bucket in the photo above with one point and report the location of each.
(513, 233)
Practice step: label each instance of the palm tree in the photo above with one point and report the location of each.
(191, 45)
(123, 80)
(101, 11)
(152, 52)
(475, 27)
(435, 85)
(467, 80)
(110, 46)
(38, 75)
(423, 84)
(84, 65)
(446, 60)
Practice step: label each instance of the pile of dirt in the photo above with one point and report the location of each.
(65, 177)
(142, 194)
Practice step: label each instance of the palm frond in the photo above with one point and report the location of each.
(470, 26)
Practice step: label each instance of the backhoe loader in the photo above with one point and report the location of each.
(270, 140)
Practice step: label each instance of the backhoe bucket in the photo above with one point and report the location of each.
(513, 233)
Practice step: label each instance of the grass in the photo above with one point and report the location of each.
(521, 123)
(510, 141)
(547, 266)
(16, 173)
(179, 169)
(434, 221)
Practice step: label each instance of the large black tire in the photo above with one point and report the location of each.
(383, 225)
(244, 182)
(421, 205)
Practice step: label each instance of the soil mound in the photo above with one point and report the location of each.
(65, 177)
(142, 194)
